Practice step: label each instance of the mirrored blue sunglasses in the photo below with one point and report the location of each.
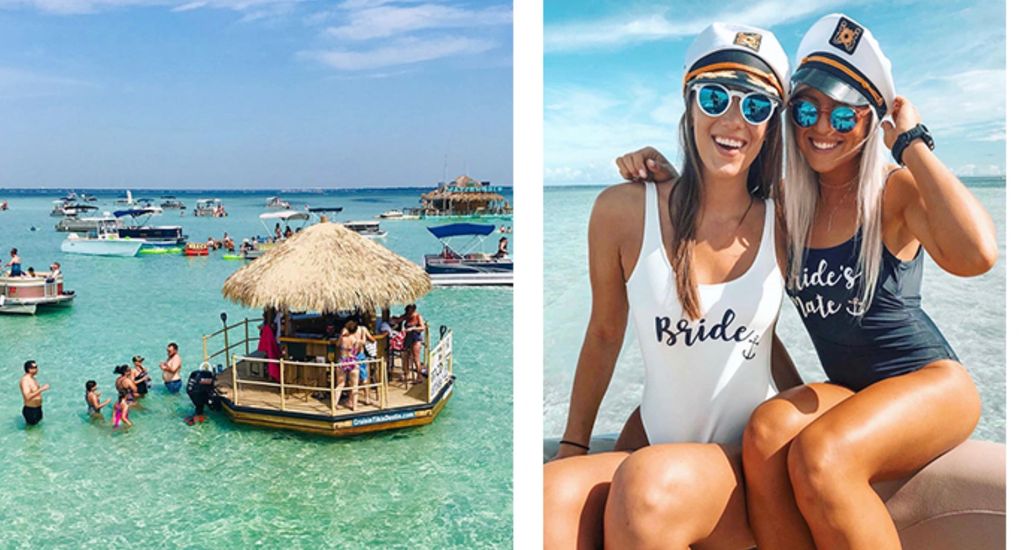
(805, 114)
(714, 100)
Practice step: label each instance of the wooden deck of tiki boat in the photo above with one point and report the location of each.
(308, 395)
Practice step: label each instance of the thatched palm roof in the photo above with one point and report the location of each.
(327, 267)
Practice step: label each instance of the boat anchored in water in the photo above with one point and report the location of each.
(468, 266)
(305, 389)
(154, 236)
(370, 230)
(103, 242)
(396, 214)
(212, 208)
(170, 202)
(24, 295)
(276, 203)
(255, 250)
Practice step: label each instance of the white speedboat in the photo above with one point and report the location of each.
(370, 230)
(397, 215)
(212, 208)
(101, 244)
(276, 203)
(24, 295)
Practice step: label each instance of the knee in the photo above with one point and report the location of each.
(820, 465)
(564, 490)
(771, 427)
(649, 493)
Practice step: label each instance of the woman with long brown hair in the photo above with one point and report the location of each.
(694, 264)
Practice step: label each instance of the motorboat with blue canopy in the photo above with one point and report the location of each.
(462, 262)
(154, 236)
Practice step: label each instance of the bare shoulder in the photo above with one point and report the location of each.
(619, 201)
(900, 189)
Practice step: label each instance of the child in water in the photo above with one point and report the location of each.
(121, 410)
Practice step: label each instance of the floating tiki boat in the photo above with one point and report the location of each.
(370, 230)
(468, 266)
(464, 198)
(23, 295)
(330, 270)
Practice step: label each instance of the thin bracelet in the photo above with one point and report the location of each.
(574, 444)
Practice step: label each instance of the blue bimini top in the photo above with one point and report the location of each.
(855, 347)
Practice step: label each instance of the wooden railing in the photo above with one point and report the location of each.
(333, 388)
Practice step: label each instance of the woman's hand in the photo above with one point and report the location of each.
(906, 118)
(646, 164)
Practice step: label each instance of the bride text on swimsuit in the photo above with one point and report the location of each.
(701, 331)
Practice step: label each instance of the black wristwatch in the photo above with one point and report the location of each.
(905, 138)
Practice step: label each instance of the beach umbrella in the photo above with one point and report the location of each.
(327, 268)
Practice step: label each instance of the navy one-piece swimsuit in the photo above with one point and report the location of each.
(858, 348)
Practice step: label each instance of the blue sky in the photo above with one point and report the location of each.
(612, 73)
(254, 93)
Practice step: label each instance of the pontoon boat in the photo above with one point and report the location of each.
(467, 266)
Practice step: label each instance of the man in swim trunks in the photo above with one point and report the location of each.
(32, 393)
(172, 369)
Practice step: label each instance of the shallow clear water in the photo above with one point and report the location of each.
(970, 313)
(70, 482)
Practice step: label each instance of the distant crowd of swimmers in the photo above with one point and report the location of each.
(15, 268)
(132, 384)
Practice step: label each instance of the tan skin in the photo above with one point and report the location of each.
(578, 489)
(31, 391)
(810, 453)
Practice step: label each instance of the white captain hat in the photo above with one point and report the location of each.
(728, 53)
(842, 59)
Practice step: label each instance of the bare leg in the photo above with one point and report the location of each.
(773, 513)
(574, 493)
(885, 431)
(676, 496)
(633, 435)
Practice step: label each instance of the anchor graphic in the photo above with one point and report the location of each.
(752, 351)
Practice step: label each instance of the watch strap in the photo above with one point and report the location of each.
(905, 138)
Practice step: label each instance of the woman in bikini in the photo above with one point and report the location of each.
(695, 263)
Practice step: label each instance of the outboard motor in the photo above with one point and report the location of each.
(200, 390)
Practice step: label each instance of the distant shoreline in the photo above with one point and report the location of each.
(119, 191)
(970, 181)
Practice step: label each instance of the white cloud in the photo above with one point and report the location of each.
(969, 104)
(74, 7)
(976, 170)
(663, 24)
(383, 21)
(18, 83)
(402, 52)
(585, 130)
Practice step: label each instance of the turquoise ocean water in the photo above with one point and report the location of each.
(970, 312)
(74, 483)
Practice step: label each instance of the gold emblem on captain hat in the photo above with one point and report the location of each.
(749, 39)
(847, 36)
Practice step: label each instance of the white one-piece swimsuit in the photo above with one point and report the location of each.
(705, 376)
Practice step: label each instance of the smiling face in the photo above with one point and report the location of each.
(727, 145)
(823, 147)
